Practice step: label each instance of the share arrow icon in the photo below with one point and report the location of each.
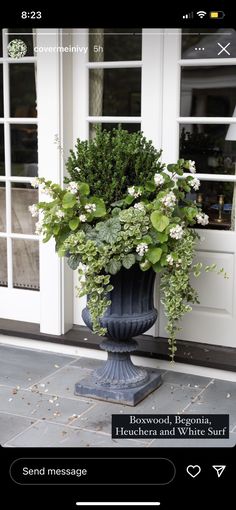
(219, 470)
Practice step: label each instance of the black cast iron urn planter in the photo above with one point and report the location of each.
(130, 314)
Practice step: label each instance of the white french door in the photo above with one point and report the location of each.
(180, 98)
(199, 123)
(19, 246)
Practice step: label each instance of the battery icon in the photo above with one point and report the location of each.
(217, 14)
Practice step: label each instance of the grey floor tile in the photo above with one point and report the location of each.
(189, 380)
(40, 405)
(200, 407)
(166, 399)
(51, 435)
(10, 426)
(88, 363)
(24, 366)
(63, 382)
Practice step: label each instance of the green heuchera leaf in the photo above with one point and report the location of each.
(69, 200)
(159, 221)
(114, 266)
(73, 224)
(150, 186)
(154, 255)
(73, 262)
(84, 188)
(100, 207)
(129, 260)
(144, 266)
(108, 230)
(162, 237)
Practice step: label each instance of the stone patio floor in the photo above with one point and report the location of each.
(38, 407)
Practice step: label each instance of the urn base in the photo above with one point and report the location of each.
(90, 387)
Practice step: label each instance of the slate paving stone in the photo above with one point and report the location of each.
(24, 366)
(88, 363)
(63, 382)
(10, 426)
(206, 408)
(166, 399)
(44, 434)
(189, 380)
(40, 405)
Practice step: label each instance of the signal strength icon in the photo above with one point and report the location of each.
(201, 14)
(188, 16)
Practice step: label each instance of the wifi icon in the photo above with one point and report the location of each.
(201, 14)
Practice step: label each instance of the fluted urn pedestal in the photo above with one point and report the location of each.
(130, 314)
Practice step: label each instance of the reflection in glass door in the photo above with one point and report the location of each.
(19, 246)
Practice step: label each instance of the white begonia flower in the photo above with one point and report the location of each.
(195, 183)
(134, 192)
(176, 232)
(202, 219)
(170, 260)
(73, 187)
(33, 209)
(139, 206)
(35, 182)
(159, 179)
(39, 226)
(77, 169)
(90, 207)
(82, 218)
(60, 214)
(192, 167)
(169, 200)
(141, 249)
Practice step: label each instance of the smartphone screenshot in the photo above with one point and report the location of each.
(118, 258)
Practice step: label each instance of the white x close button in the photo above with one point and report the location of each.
(223, 48)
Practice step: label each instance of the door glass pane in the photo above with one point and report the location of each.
(25, 264)
(115, 92)
(117, 44)
(2, 158)
(1, 91)
(2, 208)
(212, 146)
(209, 45)
(3, 264)
(218, 200)
(17, 33)
(24, 157)
(23, 90)
(208, 91)
(22, 196)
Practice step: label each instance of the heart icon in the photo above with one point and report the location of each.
(193, 471)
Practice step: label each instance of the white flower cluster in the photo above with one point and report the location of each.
(169, 200)
(141, 249)
(39, 226)
(90, 208)
(73, 187)
(202, 219)
(82, 218)
(33, 209)
(35, 182)
(134, 192)
(192, 167)
(159, 179)
(77, 169)
(60, 214)
(176, 232)
(195, 183)
(170, 260)
(139, 206)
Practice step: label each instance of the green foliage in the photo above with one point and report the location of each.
(122, 207)
(113, 161)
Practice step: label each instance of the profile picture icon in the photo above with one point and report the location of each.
(17, 48)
